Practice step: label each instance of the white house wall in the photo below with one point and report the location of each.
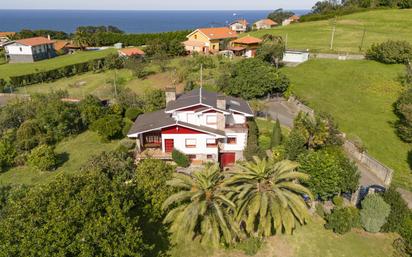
(180, 143)
(17, 49)
(240, 142)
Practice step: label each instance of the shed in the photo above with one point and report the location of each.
(293, 56)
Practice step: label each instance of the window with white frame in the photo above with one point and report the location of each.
(211, 119)
(211, 142)
(190, 142)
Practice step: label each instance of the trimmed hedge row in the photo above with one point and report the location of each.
(63, 72)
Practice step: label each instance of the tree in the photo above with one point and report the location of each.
(314, 129)
(391, 52)
(42, 158)
(180, 158)
(325, 6)
(399, 211)
(271, 50)
(276, 138)
(151, 178)
(28, 135)
(403, 109)
(109, 127)
(81, 38)
(374, 213)
(252, 148)
(154, 99)
(331, 173)
(91, 109)
(294, 145)
(268, 196)
(7, 154)
(279, 15)
(200, 210)
(254, 78)
(342, 220)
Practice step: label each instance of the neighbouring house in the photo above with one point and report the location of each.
(30, 50)
(209, 40)
(239, 25)
(131, 52)
(5, 38)
(264, 24)
(295, 57)
(245, 46)
(61, 46)
(205, 126)
(291, 19)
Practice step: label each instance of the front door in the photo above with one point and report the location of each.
(169, 145)
(227, 159)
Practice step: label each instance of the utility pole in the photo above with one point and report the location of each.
(363, 38)
(286, 41)
(201, 75)
(333, 33)
(115, 86)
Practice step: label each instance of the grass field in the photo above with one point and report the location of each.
(380, 25)
(359, 94)
(15, 69)
(77, 151)
(307, 241)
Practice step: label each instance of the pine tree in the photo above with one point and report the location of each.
(276, 138)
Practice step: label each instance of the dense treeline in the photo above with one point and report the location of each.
(27, 33)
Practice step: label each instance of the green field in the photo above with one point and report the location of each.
(76, 150)
(380, 25)
(16, 69)
(307, 241)
(359, 94)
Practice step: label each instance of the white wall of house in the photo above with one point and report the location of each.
(241, 140)
(18, 49)
(201, 139)
(238, 27)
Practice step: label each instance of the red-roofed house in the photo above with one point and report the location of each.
(239, 25)
(264, 24)
(245, 46)
(209, 40)
(291, 19)
(5, 37)
(30, 50)
(131, 52)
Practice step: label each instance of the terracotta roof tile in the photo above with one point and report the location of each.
(218, 33)
(131, 51)
(7, 34)
(60, 44)
(247, 40)
(34, 41)
(268, 22)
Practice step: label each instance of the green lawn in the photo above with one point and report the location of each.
(311, 240)
(359, 94)
(380, 26)
(78, 150)
(16, 69)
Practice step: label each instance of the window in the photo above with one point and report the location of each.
(191, 157)
(190, 143)
(211, 142)
(209, 156)
(211, 119)
(195, 36)
(231, 140)
(21, 49)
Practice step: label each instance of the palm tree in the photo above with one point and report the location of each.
(81, 38)
(268, 196)
(201, 209)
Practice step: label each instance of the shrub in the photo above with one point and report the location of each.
(132, 113)
(109, 127)
(127, 126)
(374, 213)
(252, 147)
(180, 158)
(342, 220)
(42, 158)
(276, 138)
(403, 110)
(91, 109)
(127, 143)
(319, 210)
(399, 211)
(250, 246)
(390, 52)
(337, 200)
(295, 145)
(28, 135)
(7, 154)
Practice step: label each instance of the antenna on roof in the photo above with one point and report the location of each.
(201, 82)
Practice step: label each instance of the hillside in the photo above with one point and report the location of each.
(359, 94)
(379, 25)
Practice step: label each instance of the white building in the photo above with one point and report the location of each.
(239, 25)
(264, 24)
(203, 125)
(291, 56)
(30, 50)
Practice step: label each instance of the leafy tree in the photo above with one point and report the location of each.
(200, 210)
(391, 52)
(276, 138)
(151, 178)
(81, 38)
(109, 127)
(180, 158)
(91, 109)
(252, 148)
(403, 109)
(254, 78)
(268, 196)
(42, 158)
(314, 129)
(325, 6)
(271, 50)
(279, 15)
(330, 173)
(7, 154)
(342, 220)
(399, 211)
(28, 135)
(374, 213)
(154, 100)
(294, 145)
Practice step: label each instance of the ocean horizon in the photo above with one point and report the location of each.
(133, 21)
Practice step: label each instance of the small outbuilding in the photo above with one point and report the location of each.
(245, 46)
(295, 56)
(131, 52)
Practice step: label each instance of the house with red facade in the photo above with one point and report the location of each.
(206, 126)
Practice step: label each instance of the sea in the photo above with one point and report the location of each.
(128, 21)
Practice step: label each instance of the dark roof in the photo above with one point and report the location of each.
(160, 119)
(208, 98)
(151, 121)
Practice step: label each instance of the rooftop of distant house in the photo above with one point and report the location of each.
(131, 51)
(241, 21)
(7, 34)
(268, 22)
(35, 41)
(247, 40)
(217, 33)
(60, 44)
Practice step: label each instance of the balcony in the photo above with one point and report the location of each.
(236, 127)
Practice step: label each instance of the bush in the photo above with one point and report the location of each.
(374, 213)
(319, 210)
(276, 138)
(91, 109)
(391, 52)
(7, 154)
(404, 112)
(342, 220)
(337, 201)
(250, 246)
(399, 211)
(132, 113)
(295, 145)
(42, 158)
(109, 127)
(180, 158)
(252, 147)
(127, 126)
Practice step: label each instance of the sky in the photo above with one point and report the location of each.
(158, 4)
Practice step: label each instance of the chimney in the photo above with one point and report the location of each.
(48, 37)
(221, 102)
(170, 94)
